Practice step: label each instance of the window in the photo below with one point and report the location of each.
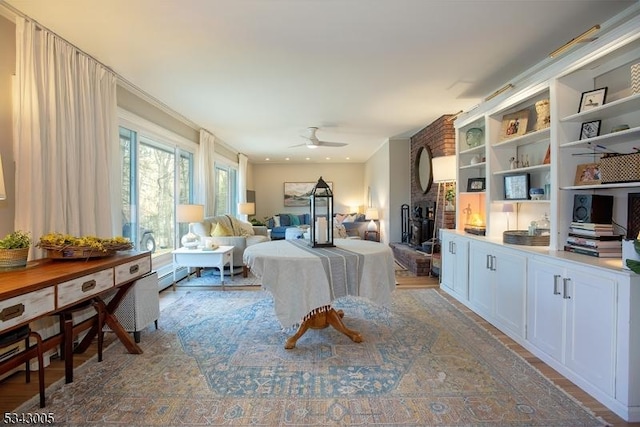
(156, 166)
(226, 182)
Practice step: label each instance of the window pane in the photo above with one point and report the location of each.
(156, 172)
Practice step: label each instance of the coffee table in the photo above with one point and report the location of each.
(218, 258)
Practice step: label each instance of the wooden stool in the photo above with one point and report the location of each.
(66, 329)
(24, 356)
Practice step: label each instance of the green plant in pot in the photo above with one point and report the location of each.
(14, 249)
(632, 263)
(450, 197)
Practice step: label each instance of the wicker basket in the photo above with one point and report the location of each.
(522, 237)
(13, 258)
(77, 252)
(620, 168)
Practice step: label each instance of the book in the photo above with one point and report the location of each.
(592, 252)
(590, 225)
(591, 233)
(598, 238)
(592, 243)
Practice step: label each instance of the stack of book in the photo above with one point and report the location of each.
(598, 240)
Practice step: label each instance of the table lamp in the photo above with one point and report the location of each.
(507, 208)
(372, 214)
(248, 208)
(190, 214)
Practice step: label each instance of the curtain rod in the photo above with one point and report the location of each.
(121, 80)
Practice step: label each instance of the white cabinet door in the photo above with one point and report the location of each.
(545, 307)
(510, 278)
(591, 325)
(454, 275)
(572, 317)
(481, 290)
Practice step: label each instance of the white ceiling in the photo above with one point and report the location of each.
(257, 73)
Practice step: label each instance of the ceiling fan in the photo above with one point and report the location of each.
(314, 142)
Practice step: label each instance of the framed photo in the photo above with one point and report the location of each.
(592, 99)
(514, 124)
(588, 174)
(296, 194)
(476, 184)
(590, 129)
(516, 187)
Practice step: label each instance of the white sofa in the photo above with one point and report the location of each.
(242, 235)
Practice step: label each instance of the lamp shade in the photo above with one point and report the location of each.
(444, 168)
(190, 213)
(248, 208)
(507, 207)
(3, 193)
(372, 213)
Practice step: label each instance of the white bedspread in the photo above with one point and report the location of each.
(298, 282)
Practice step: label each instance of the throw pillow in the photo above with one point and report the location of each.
(246, 229)
(221, 231)
(340, 217)
(349, 218)
(295, 220)
(276, 221)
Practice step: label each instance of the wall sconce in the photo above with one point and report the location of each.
(372, 214)
(190, 214)
(3, 193)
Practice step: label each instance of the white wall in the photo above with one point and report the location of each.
(399, 185)
(268, 183)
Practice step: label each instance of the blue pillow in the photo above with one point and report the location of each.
(285, 220)
(295, 220)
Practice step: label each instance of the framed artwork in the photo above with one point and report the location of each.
(592, 99)
(590, 129)
(514, 124)
(588, 174)
(476, 184)
(516, 187)
(296, 194)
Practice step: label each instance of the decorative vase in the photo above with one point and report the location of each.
(475, 137)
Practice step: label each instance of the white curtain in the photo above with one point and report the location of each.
(243, 160)
(65, 138)
(206, 172)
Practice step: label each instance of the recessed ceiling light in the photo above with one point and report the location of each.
(328, 158)
(307, 158)
(348, 158)
(287, 158)
(267, 159)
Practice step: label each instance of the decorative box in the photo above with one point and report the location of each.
(620, 168)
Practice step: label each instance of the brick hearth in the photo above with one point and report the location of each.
(414, 261)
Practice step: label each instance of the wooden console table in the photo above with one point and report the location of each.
(45, 287)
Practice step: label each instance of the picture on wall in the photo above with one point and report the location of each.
(296, 194)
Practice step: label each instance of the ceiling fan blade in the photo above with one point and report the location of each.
(299, 145)
(332, 144)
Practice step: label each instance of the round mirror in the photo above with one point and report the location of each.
(424, 175)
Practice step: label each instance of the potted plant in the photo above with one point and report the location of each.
(633, 264)
(450, 197)
(14, 249)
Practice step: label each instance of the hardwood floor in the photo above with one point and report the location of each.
(14, 391)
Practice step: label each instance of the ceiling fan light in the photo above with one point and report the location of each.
(313, 146)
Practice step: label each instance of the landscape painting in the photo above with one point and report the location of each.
(296, 194)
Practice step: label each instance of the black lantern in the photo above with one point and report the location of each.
(321, 230)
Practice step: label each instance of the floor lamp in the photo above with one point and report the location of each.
(444, 171)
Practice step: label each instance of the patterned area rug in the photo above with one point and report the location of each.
(211, 277)
(218, 359)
